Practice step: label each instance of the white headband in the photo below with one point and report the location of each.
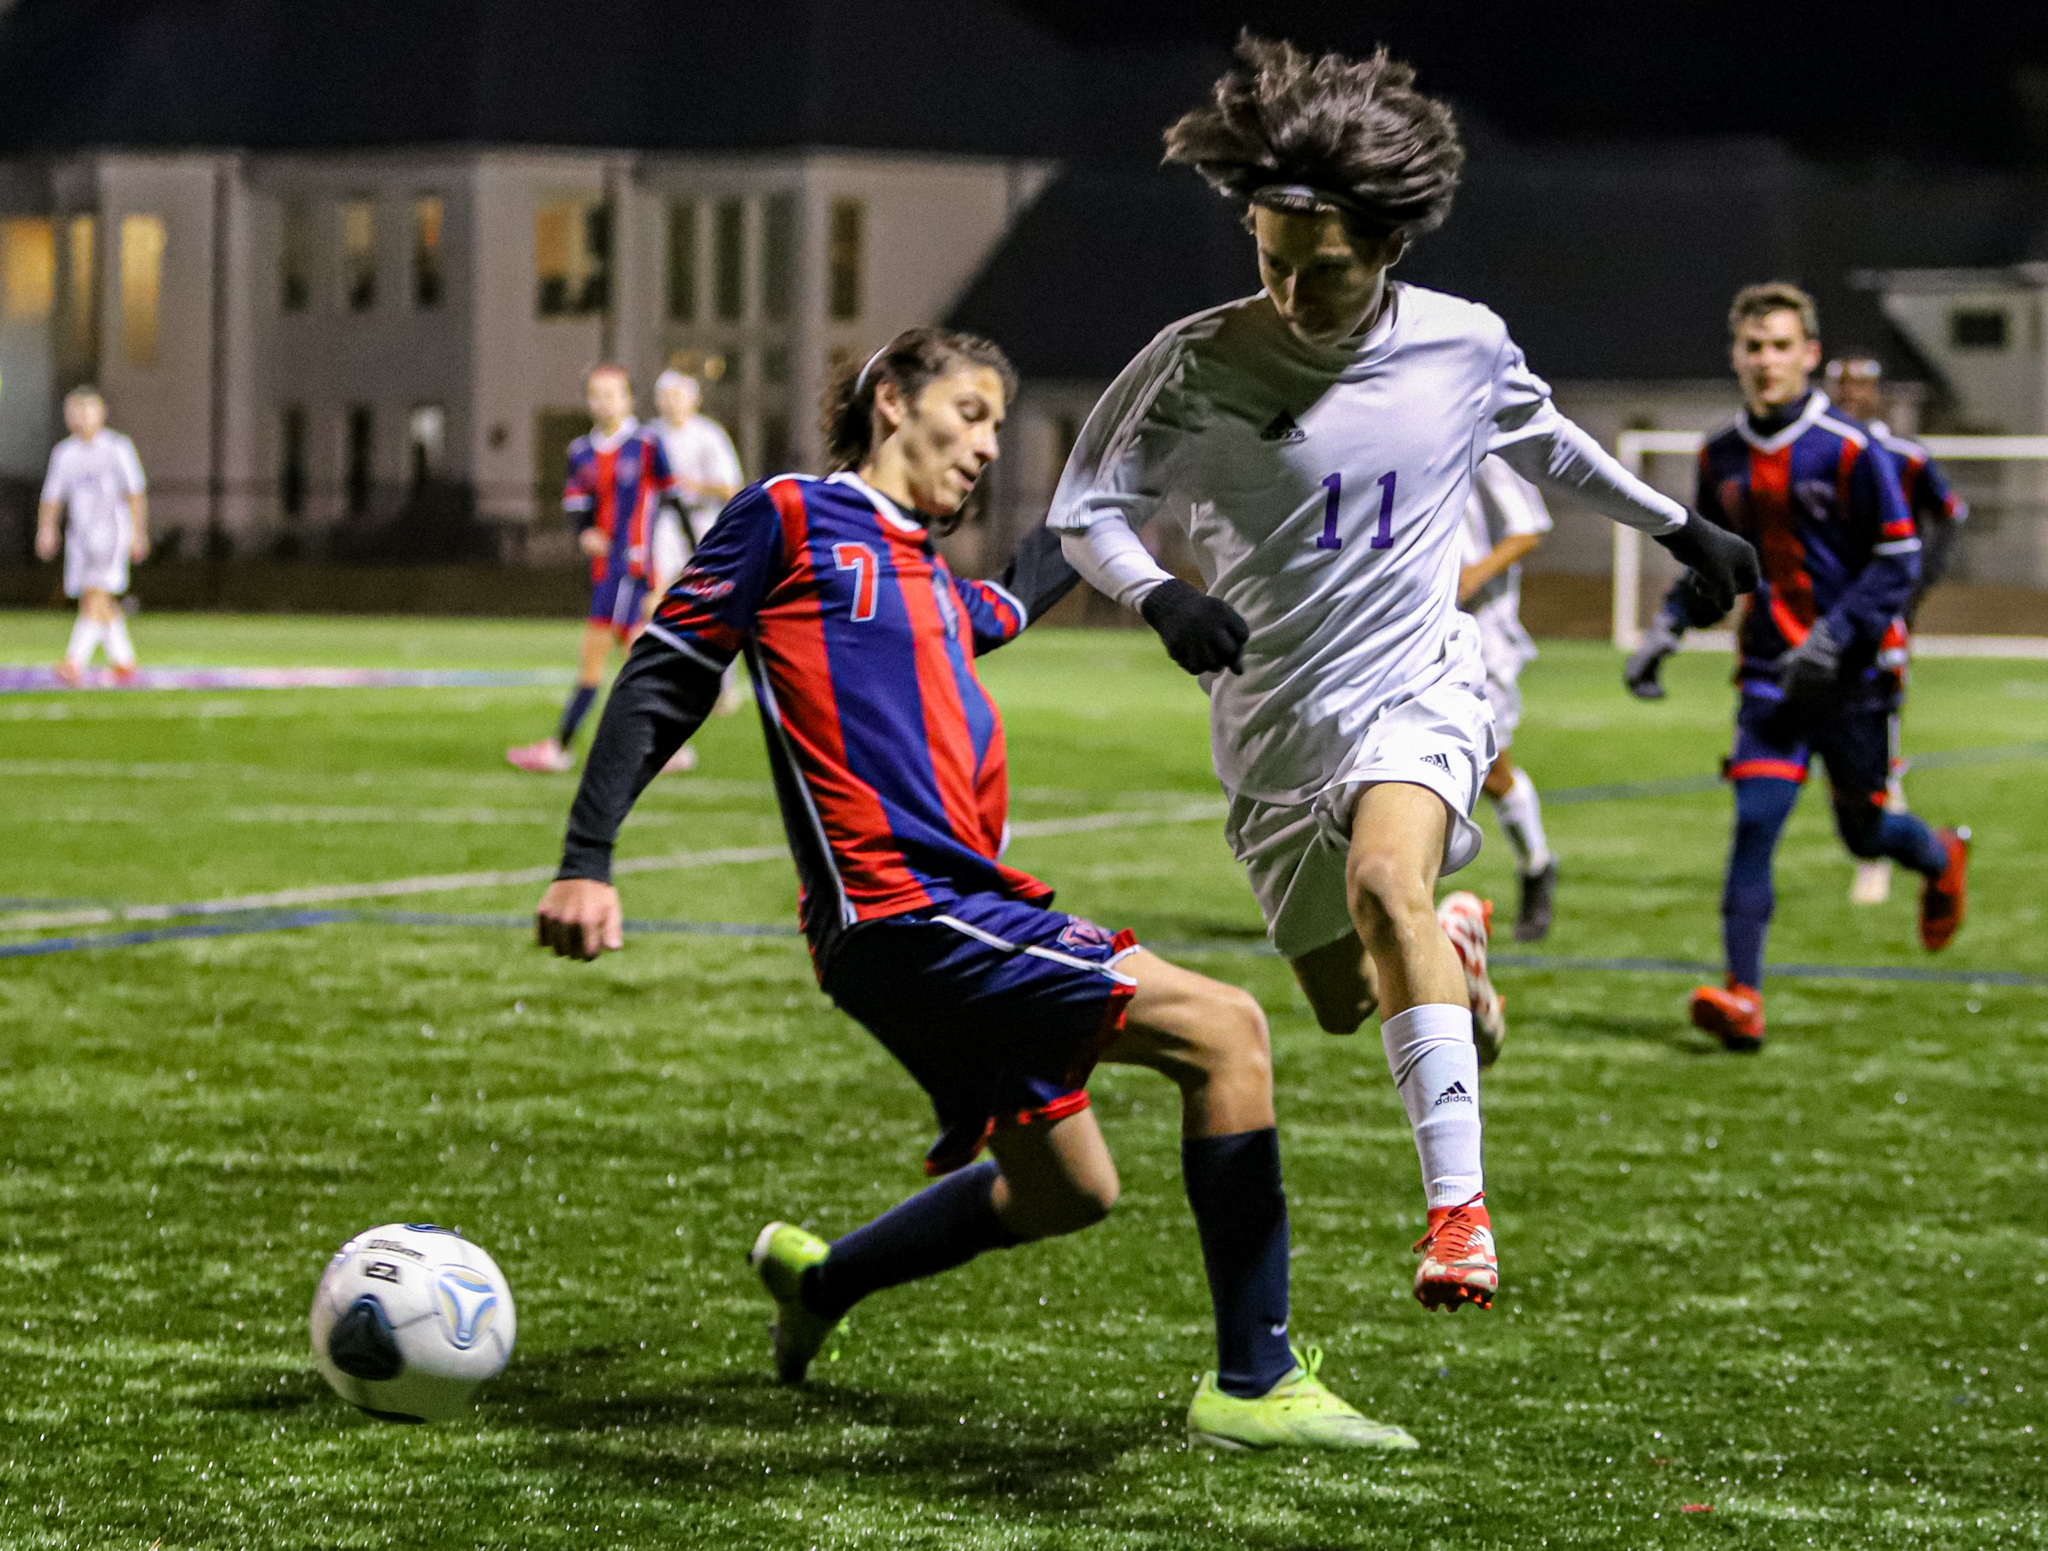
(862, 380)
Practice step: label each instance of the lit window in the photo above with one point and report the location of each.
(778, 255)
(572, 252)
(359, 255)
(427, 215)
(84, 283)
(295, 259)
(358, 449)
(291, 460)
(142, 284)
(426, 441)
(729, 239)
(28, 268)
(843, 260)
(682, 262)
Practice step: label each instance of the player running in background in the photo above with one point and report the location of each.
(889, 762)
(95, 503)
(706, 469)
(617, 475)
(1854, 384)
(1820, 645)
(1505, 519)
(1323, 436)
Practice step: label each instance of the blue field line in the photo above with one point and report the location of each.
(233, 927)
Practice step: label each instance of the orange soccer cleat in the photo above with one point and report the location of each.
(1735, 1016)
(1943, 899)
(1468, 921)
(1458, 1261)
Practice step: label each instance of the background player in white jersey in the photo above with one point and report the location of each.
(1323, 436)
(96, 491)
(1505, 519)
(706, 467)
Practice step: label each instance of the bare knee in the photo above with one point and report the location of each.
(1237, 1046)
(1048, 1211)
(1386, 894)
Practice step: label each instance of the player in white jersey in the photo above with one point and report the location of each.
(95, 504)
(1505, 519)
(706, 466)
(1322, 437)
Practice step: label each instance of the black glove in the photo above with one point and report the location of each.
(1202, 634)
(1810, 670)
(1723, 561)
(1647, 660)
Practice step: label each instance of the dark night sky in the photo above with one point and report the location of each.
(1926, 81)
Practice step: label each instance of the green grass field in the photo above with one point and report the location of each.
(1808, 1290)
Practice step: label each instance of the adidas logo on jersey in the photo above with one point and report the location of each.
(1283, 429)
(1456, 1093)
(1440, 761)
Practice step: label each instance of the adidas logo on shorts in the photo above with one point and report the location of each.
(1442, 762)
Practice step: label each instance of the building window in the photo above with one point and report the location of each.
(295, 259)
(28, 269)
(1977, 328)
(729, 259)
(682, 262)
(359, 255)
(778, 256)
(291, 460)
(84, 289)
(775, 365)
(426, 439)
(843, 260)
(572, 250)
(775, 449)
(142, 284)
(359, 447)
(427, 283)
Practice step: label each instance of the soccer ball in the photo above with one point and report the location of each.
(409, 1320)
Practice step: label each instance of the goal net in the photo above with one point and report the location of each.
(1993, 598)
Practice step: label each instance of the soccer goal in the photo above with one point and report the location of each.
(1993, 601)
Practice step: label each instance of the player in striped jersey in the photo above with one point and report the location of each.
(889, 763)
(1820, 646)
(1853, 383)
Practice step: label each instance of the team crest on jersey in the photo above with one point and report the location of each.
(949, 611)
(700, 585)
(1081, 935)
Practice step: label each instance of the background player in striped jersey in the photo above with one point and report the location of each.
(1323, 435)
(1820, 645)
(96, 503)
(617, 476)
(1855, 383)
(1505, 519)
(889, 764)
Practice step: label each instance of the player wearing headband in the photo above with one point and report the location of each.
(1322, 438)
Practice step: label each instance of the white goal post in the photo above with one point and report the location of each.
(1635, 448)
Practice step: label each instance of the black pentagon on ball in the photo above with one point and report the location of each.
(361, 1344)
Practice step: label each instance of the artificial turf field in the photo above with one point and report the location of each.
(1805, 1290)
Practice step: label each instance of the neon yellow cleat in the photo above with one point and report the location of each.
(782, 1254)
(1299, 1412)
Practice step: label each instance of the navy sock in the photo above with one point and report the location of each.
(942, 1226)
(573, 714)
(1762, 804)
(1913, 843)
(1233, 1184)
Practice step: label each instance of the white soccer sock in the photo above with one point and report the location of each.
(120, 650)
(86, 635)
(1436, 1067)
(1521, 820)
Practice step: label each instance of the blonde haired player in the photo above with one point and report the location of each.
(1323, 436)
(95, 504)
(706, 467)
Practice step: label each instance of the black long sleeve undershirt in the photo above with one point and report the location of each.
(1037, 576)
(659, 699)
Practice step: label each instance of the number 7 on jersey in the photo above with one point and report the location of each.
(1333, 494)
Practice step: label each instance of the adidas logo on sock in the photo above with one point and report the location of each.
(1456, 1093)
(1283, 429)
(1442, 762)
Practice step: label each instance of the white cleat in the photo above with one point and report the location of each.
(1468, 921)
(1873, 885)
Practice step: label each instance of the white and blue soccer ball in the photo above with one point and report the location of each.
(409, 1320)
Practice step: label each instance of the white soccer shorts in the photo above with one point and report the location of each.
(96, 557)
(1294, 853)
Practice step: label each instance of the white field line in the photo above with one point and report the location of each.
(448, 883)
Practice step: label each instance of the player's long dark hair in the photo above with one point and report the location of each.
(1357, 128)
(913, 360)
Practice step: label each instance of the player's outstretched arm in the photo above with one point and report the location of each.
(1036, 578)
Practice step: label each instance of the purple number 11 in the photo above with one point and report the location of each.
(1333, 491)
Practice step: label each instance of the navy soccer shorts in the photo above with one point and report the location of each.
(999, 1009)
(619, 601)
(1855, 742)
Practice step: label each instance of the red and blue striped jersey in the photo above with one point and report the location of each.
(614, 485)
(888, 753)
(1819, 498)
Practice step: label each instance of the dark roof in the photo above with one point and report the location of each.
(1607, 261)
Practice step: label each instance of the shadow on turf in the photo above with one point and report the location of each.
(1673, 1033)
